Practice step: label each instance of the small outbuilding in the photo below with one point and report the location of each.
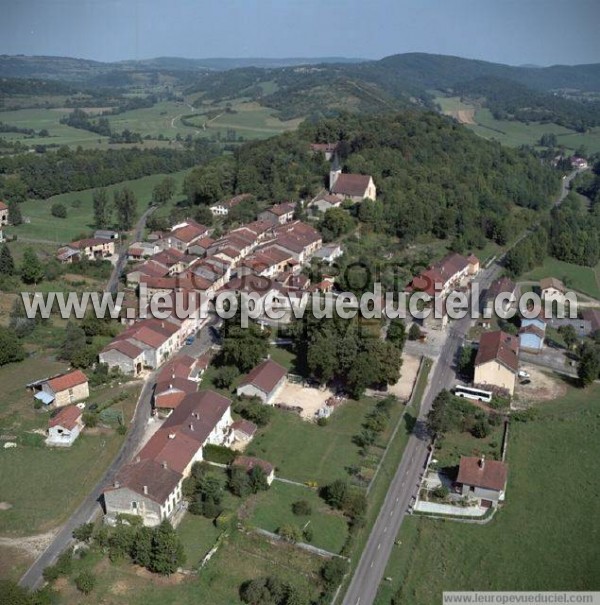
(264, 381)
(65, 426)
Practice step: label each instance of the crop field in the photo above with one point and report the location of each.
(45, 227)
(545, 536)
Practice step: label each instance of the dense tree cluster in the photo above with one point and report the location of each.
(64, 170)
(271, 590)
(347, 352)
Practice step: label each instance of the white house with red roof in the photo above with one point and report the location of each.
(279, 214)
(94, 248)
(65, 426)
(356, 187)
(185, 234)
(481, 479)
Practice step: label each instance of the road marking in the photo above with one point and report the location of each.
(397, 498)
(385, 529)
(391, 513)
(371, 563)
(379, 546)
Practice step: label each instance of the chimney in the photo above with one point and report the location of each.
(482, 462)
(117, 484)
(137, 458)
(191, 427)
(170, 385)
(145, 490)
(171, 435)
(164, 464)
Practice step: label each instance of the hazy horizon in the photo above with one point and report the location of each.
(538, 32)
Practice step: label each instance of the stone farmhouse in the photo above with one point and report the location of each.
(279, 214)
(3, 214)
(94, 248)
(497, 361)
(62, 390)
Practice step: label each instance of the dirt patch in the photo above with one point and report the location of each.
(5, 505)
(542, 387)
(408, 374)
(157, 580)
(32, 545)
(307, 398)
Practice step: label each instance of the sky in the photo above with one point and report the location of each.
(517, 32)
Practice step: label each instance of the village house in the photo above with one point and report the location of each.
(3, 214)
(200, 419)
(552, 289)
(355, 187)
(298, 239)
(123, 355)
(185, 234)
(200, 247)
(64, 427)
(141, 250)
(90, 249)
(264, 381)
(169, 393)
(328, 254)
(106, 234)
(64, 389)
(482, 479)
(497, 361)
(146, 489)
(223, 208)
(503, 290)
(244, 430)
(248, 463)
(453, 271)
(593, 317)
(268, 262)
(579, 163)
(324, 201)
(531, 334)
(150, 268)
(279, 214)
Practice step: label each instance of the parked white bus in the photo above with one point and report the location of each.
(471, 393)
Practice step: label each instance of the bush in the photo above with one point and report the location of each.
(58, 210)
(333, 572)
(414, 333)
(302, 508)
(84, 532)
(219, 454)
(51, 573)
(290, 533)
(322, 421)
(225, 376)
(85, 582)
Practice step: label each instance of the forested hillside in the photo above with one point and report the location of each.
(434, 177)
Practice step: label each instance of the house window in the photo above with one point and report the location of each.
(134, 505)
(71, 394)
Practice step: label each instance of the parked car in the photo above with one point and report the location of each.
(189, 340)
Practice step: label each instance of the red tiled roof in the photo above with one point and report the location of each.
(281, 209)
(265, 375)
(189, 232)
(170, 400)
(3, 206)
(593, 316)
(248, 463)
(126, 348)
(324, 147)
(492, 475)
(67, 381)
(351, 184)
(552, 282)
(67, 417)
(147, 476)
(498, 346)
(149, 337)
(88, 243)
(500, 286)
(245, 426)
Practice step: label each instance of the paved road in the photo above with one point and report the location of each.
(404, 485)
(113, 281)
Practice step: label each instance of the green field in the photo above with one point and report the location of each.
(273, 508)
(582, 279)
(79, 222)
(303, 451)
(513, 133)
(249, 120)
(546, 535)
(198, 535)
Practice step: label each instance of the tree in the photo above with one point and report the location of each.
(465, 361)
(84, 532)
(437, 418)
(414, 333)
(569, 335)
(167, 550)
(141, 549)
(102, 209)
(126, 207)
(7, 264)
(396, 333)
(74, 342)
(589, 365)
(163, 191)
(290, 533)
(32, 270)
(258, 480)
(204, 216)
(225, 376)
(11, 349)
(335, 223)
(13, 594)
(335, 492)
(85, 582)
(58, 210)
(239, 482)
(333, 571)
(244, 348)
(14, 213)
(302, 508)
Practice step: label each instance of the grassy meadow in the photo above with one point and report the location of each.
(79, 221)
(546, 535)
(582, 279)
